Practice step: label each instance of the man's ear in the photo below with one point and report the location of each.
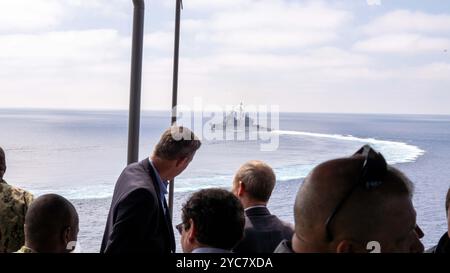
(181, 161)
(349, 246)
(240, 189)
(191, 232)
(66, 235)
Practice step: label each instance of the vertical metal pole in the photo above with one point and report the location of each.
(135, 81)
(179, 6)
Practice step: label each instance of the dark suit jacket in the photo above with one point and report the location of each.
(136, 220)
(442, 247)
(263, 232)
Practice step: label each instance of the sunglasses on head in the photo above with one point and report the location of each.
(373, 169)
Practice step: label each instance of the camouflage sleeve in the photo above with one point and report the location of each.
(28, 199)
(14, 203)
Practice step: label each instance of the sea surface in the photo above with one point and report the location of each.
(80, 154)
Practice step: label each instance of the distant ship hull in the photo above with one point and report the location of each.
(238, 121)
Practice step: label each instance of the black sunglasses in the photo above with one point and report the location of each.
(372, 172)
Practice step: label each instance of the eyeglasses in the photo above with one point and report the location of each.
(180, 228)
(373, 170)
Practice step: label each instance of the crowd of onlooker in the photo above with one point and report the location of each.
(357, 203)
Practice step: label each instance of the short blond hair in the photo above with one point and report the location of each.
(258, 179)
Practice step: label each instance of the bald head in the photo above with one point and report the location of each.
(51, 223)
(2, 163)
(363, 216)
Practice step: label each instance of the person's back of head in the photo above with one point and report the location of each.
(177, 142)
(212, 218)
(175, 150)
(356, 204)
(2, 164)
(51, 225)
(253, 183)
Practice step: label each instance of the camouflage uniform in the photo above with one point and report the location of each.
(25, 249)
(14, 204)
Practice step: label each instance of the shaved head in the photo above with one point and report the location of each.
(363, 216)
(47, 221)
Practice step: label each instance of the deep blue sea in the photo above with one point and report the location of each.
(80, 154)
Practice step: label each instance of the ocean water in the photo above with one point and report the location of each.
(80, 154)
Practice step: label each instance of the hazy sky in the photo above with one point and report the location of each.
(375, 56)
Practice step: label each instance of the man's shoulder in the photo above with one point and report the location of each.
(136, 168)
(286, 226)
(135, 176)
(267, 221)
(11, 195)
(135, 184)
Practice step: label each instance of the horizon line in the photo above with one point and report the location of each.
(163, 110)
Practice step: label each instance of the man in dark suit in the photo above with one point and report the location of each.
(139, 218)
(253, 185)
